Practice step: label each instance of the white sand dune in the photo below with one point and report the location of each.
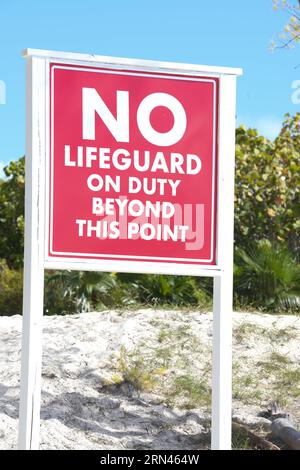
(83, 409)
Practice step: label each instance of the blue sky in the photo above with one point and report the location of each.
(230, 33)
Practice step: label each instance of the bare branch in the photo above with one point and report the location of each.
(290, 41)
(292, 29)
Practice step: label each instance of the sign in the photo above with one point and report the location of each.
(133, 166)
(129, 167)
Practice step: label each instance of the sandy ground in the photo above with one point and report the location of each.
(89, 402)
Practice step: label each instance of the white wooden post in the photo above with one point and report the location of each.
(29, 413)
(223, 284)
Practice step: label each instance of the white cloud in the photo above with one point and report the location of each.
(268, 126)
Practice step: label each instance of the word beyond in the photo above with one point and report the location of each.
(135, 207)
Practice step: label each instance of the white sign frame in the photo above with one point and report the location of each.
(37, 145)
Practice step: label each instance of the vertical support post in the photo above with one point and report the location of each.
(31, 356)
(222, 363)
(223, 284)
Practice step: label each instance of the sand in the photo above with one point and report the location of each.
(88, 404)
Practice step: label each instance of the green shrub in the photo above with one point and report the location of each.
(158, 289)
(267, 276)
(83, 291)
(12, 214)
(267, 190)
(11, 288)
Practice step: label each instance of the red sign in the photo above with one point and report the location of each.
(133, 166)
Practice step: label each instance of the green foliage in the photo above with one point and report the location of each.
(12, 214)
(195, 392)
(11, 283)
(245, 330)
(267, 197)
(158, 289)
(240, 440)
(168, 366)
(267, 276)
(140, 372)
(283, 377)
(82, 291)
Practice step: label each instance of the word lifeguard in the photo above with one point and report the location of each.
(142, 161)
